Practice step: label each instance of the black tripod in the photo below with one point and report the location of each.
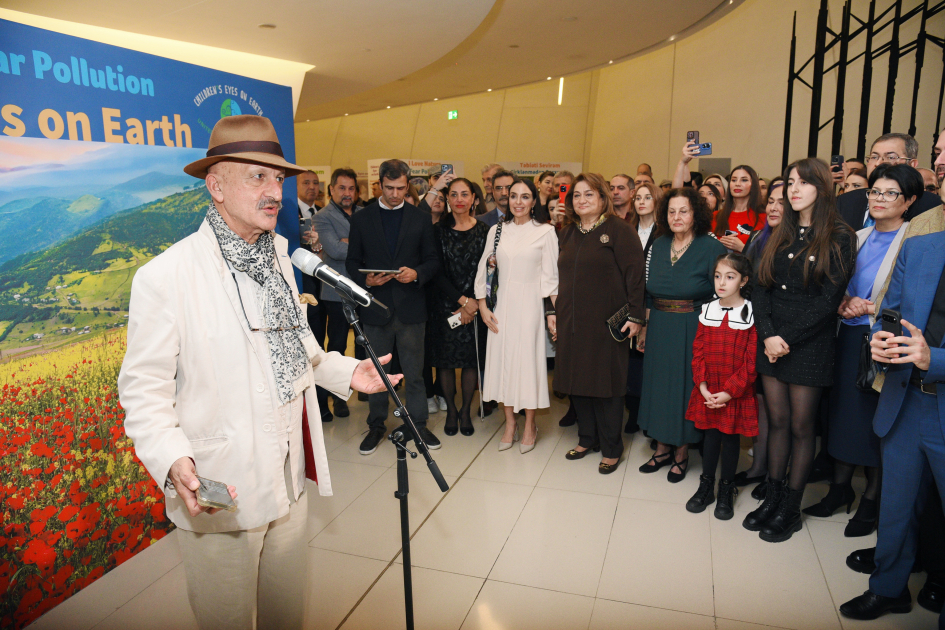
(399, 437)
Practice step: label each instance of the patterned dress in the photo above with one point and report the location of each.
(723, 356)
(459, 259)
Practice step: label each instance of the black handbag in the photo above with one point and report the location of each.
(867, 369)
(616, 321)
(492, 272)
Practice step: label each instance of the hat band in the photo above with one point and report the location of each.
(247, 146)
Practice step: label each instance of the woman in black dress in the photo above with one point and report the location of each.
(461, 239)
(801, 277)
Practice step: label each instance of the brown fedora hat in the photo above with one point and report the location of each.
(248, 138)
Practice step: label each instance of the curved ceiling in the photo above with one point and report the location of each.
(368, 55)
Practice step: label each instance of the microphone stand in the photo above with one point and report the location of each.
(399, 437)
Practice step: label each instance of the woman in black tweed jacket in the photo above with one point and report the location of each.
(801, 279)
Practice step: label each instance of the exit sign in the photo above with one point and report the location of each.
(453, 115)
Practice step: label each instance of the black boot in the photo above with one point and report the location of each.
(760, 491)
(840, 494)
(725, 508)
(757, 518)
(704, 496)
(864, 521)
(787, 519)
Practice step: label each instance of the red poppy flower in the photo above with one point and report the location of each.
(39, 553)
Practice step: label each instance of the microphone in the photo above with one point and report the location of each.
(310, 264)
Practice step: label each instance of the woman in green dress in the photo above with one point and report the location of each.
(679, 281)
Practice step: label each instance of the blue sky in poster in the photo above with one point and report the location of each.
(62, 87)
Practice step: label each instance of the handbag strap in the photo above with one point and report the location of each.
(498, 233)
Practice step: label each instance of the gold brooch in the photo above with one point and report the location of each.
(604, 238)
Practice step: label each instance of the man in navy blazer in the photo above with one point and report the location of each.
(910, 420)
(386, 236)
(501, 186)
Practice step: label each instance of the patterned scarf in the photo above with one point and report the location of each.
(290, 361)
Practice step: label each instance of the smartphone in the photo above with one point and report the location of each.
(214, 494)
(705, 149)
(692, 136)
(562, 193)
(446, 168)
(892, 322)
(731, 233)
(836, 163)
(454, 321)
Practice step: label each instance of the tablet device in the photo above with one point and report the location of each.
(392, 272)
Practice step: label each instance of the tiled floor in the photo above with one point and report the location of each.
(521, 542)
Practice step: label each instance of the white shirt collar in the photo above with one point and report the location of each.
(307, 210)
(380, 202)
(713, 314)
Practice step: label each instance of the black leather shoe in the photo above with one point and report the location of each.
(606, 469)
(656, 462)
(862, 560)
(758, 494)
(786, 520)
(840, 494)
(869, 605)
(677, 477)
(932, 596)
(569, 419)
(450, 428)
(488, 407)
(864, 521)
(725, 506)
(742, 479)
(362, 397)
(466, 426)
(631, 427)
(757, 518)
(341, 408)
(576, 454)
(704, 496)
(327, 417)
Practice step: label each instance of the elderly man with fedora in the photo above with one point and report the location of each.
(219, 361)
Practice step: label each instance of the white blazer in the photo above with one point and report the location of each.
(192, 385)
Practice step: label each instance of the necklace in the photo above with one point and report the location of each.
(677, 253)
(591, 229)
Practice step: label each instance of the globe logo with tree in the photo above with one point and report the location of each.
(229, 108)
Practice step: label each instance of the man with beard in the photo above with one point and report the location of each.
(501, 186)
(333, 223)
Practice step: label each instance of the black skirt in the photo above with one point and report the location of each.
(850, 437)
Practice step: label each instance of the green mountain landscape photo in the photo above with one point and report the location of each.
(81, 284)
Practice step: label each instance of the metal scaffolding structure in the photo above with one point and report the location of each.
(893, 17)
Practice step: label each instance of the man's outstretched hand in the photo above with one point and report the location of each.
(366, 379)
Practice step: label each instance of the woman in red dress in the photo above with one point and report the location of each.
(739, 216)
(723, 402)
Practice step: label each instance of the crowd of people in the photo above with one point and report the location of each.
(710, 307)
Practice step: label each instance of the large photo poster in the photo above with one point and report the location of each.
(93, 139)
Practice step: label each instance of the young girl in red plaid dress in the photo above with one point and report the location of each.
(723, 367)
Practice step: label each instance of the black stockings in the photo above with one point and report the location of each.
(717, 443)
(446, 378)
(843, 474)
(792, 413)
(759, 462)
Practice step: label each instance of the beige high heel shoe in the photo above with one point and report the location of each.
(524, 448)
(504, 446)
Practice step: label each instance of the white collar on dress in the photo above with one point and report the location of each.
(713, 313)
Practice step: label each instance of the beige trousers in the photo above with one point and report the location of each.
(236, 577)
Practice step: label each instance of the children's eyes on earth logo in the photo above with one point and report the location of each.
(229, 108)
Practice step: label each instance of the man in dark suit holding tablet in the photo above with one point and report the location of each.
(394, 235)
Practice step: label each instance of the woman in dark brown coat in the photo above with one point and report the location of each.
(601, 271)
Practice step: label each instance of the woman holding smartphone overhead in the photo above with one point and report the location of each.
(802, 274)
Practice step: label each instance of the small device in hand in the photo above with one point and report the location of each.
(892, 322)
(389, 272)
(562, 194)
(731, 233)
(446, 168)
(704, 149)
(836, 163)
(454, 321)
(692, 136)
(213, 494)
